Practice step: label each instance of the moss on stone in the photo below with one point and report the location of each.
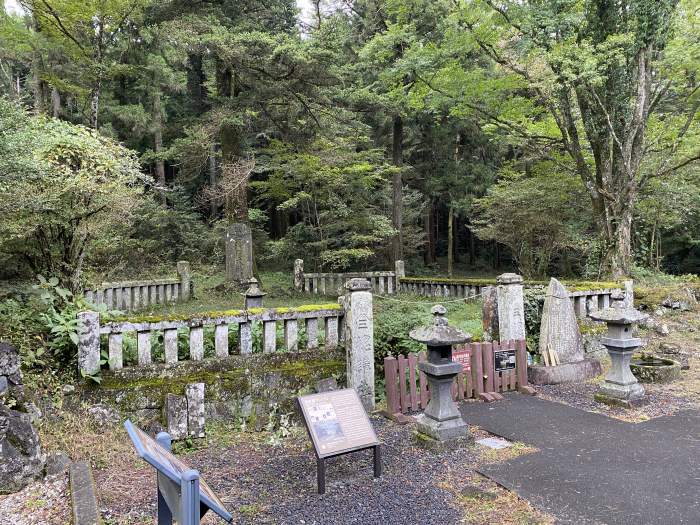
(572, 286)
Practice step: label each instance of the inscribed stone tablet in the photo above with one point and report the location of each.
(164, 461)
(337, 422)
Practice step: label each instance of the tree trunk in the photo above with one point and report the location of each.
(214, 209)
(158, 144)
(428, 229)
(397, 189)
(38, 85)
(55, 103)
(450, 241)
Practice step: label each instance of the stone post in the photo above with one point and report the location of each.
(239, 253)
(183, 270)
(89, 342)
(400, 269)
(254, 295)
(629, 294)
(359, 339)
(299, 275)
(511, 307)
(489, 313)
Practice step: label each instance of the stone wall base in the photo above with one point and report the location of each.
(564, 373)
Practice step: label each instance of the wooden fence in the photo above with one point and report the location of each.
(135, 295)
(407, 387)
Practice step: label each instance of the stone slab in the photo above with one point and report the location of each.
(592, 469)
(83, 495)
(564, 373)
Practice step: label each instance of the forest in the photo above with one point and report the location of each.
(551, 137)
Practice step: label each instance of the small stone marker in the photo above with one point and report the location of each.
(359, 339)
(338, 424)
(495, 443)
(182, 494)
(184, 415)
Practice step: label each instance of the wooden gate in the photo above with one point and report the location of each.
(407, 387)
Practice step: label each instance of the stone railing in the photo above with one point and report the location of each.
(134, 295)
(383, 283)
(241, 321)
(585, 301)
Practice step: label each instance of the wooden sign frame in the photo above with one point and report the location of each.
(334, 415)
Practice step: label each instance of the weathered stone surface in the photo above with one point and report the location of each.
(511, 307)
(183, 270)
(21, 459)
(9, 360)
(559, 329)
(564, 373)
(489, 310)
(104, 415)
(326, 385)
(176, 416)
(299, 274)
(89, 342)
(84, 495)
(57, 463)
(239, 253)
(359, 340)
(194, 393)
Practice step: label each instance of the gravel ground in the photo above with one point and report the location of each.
(41, 503)
(265, 484)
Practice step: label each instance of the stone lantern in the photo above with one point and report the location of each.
(441, 419)
(253, 295)
(620, 386)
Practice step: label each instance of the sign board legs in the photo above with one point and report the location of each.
(321, 468)
(189, 487)
(377, 461)
(165, 517)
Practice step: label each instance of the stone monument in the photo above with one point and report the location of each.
(620, 386)
(441, 420)
(239, 253)
(359, 339)
(561, 345)
(253, 295)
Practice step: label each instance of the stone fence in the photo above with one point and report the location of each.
(383, 282)
(240, 321)
(134, 295)
(584, 301)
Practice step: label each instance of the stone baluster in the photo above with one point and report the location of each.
(175, 292)
(381, 285)
(323, 285)
(143, 345)
(221, 340)
(291, 335)
(126, 297)
(100, 297)
(605, 301)
(109, 298)
(170, 344)
(90, 296)
(196, 343)
(137, 298)
(331, 332)
(161, 294)
(580, 306)
(311, 333)
(115, 353)
(390, 284)
(118, 303)
(269, 336)
(153, 294)
(245, 338)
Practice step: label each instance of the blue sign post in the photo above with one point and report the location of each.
(182, 494)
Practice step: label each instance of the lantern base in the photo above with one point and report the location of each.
(442, 430)
(428, 443)
(601, 397)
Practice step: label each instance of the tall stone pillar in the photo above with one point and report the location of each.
(629, 294)
(359, 339)
(183, 270)
(511, 307)
(400, 269)
(489, 313)
(239, 253)
(299, 275)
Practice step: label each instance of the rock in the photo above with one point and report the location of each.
(21, 459)
(659, 312)
(33, 412)
(559, 330)
(669, 348)
(593, 348)
(326, 385)
(57, 463)
(67, 389)
(104, 415)
(662, 329)
(9, 360)
(176, 416)
(4, 386)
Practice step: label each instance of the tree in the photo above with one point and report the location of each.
(56, 195)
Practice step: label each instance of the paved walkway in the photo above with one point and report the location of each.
(594, 469)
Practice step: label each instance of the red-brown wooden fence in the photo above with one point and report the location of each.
(407, 387)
